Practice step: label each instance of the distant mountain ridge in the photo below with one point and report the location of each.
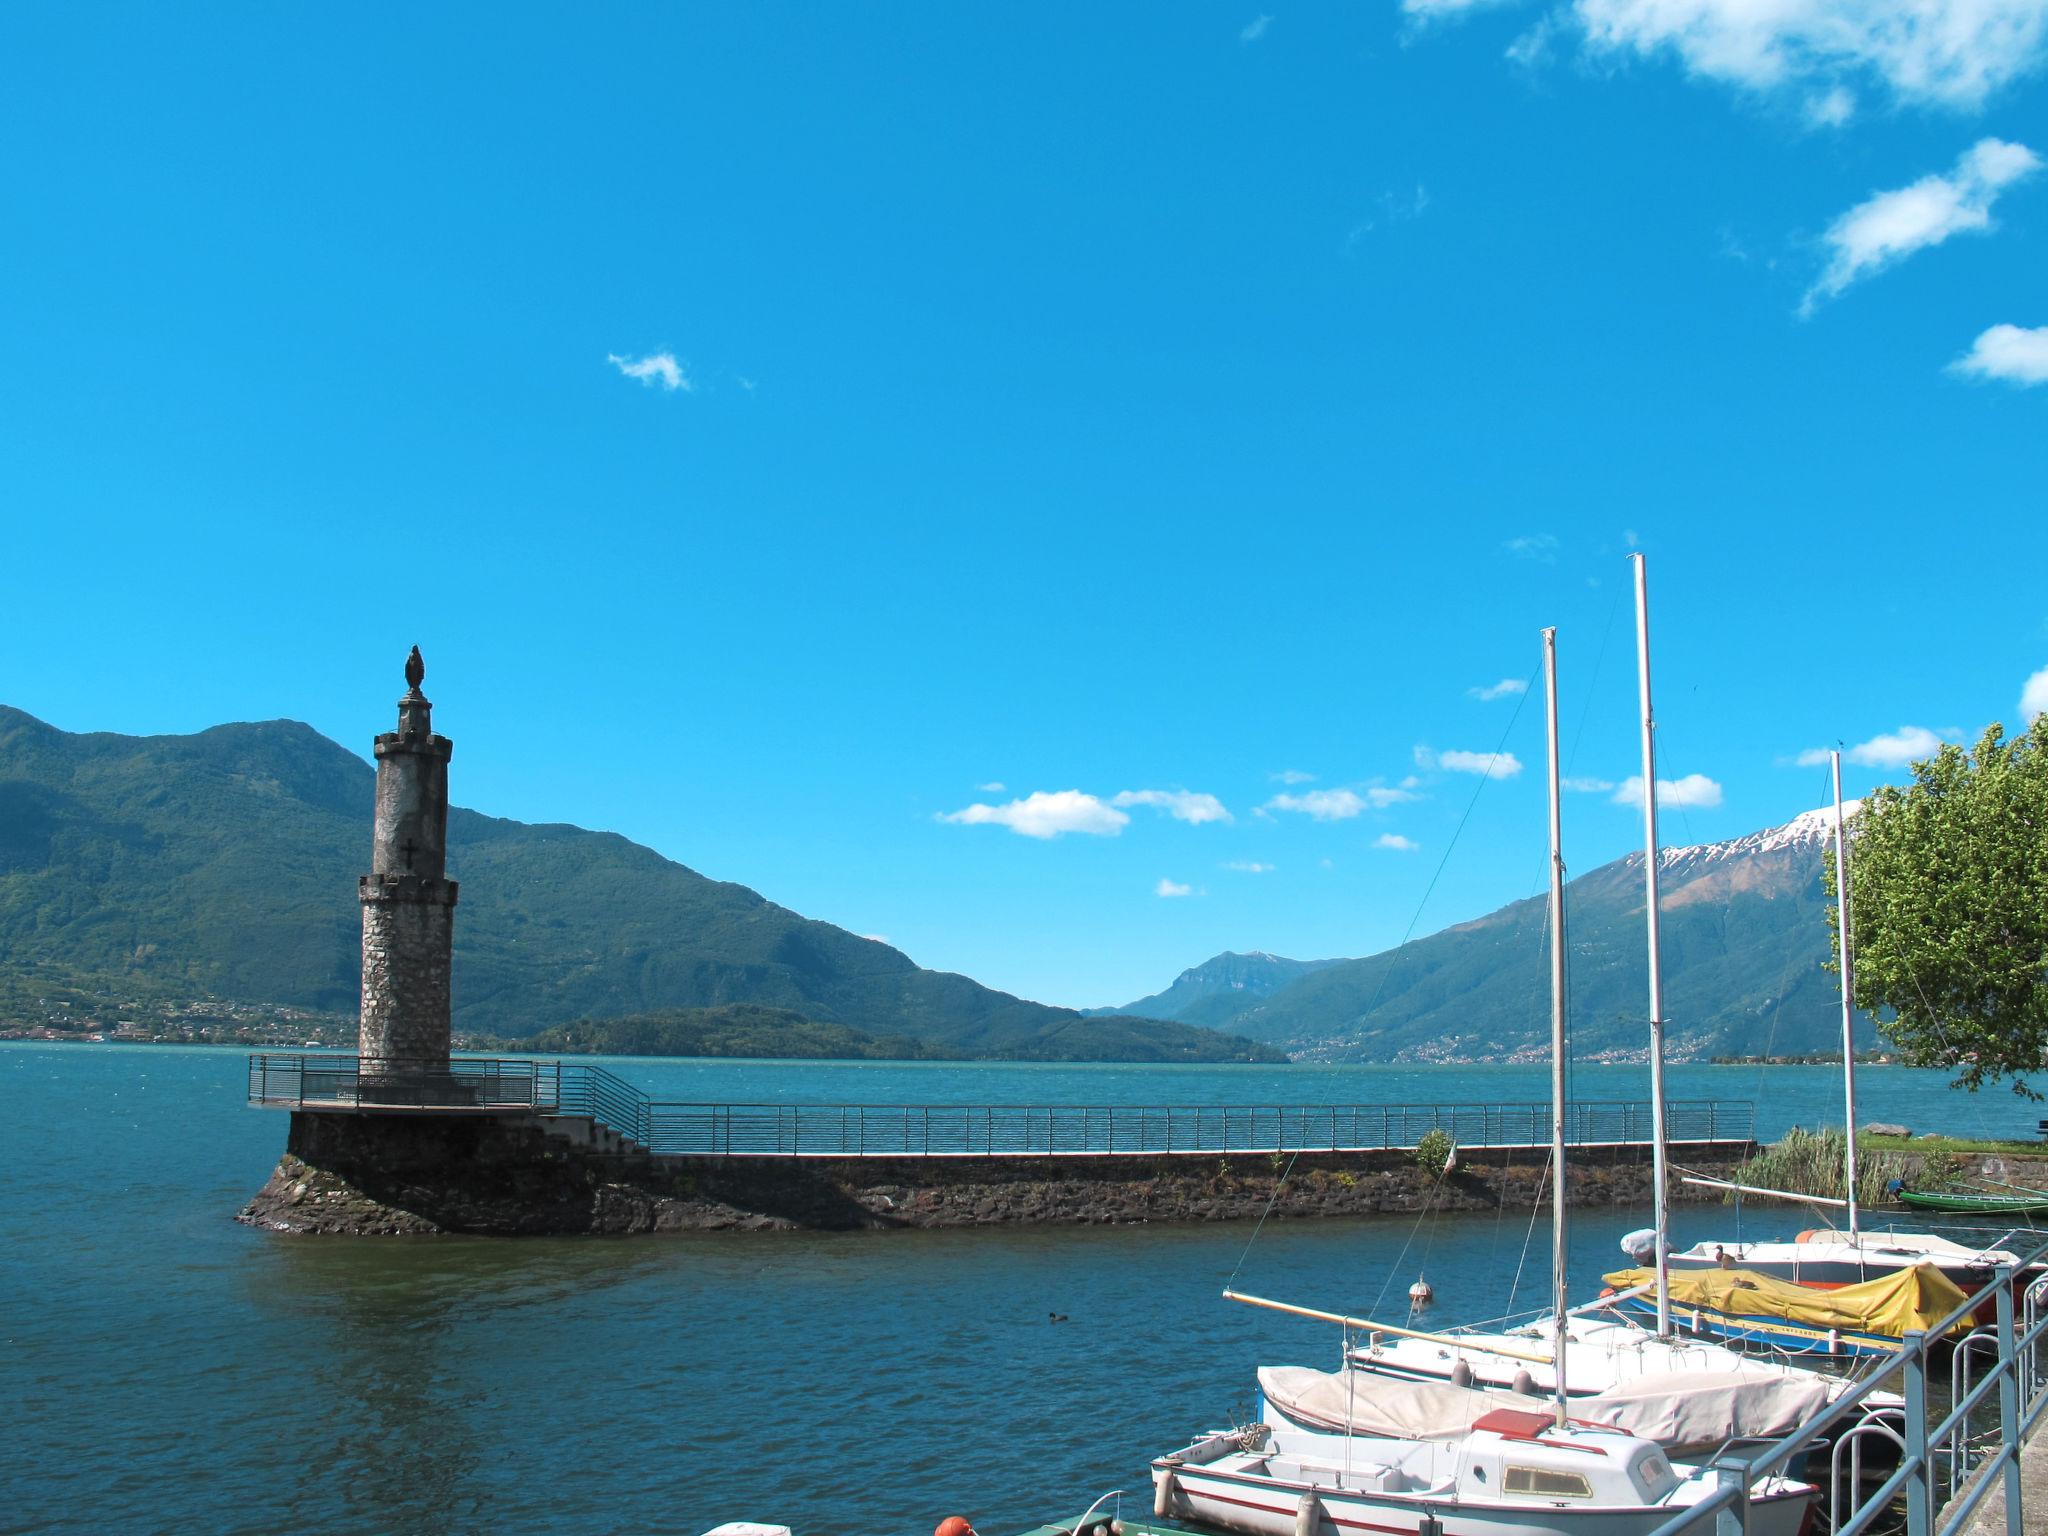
(223, 865)
(1239, 977)
(1745, 949)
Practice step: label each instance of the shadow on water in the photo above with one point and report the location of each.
(408, 1345)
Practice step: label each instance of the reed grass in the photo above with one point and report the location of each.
(1811, 1163)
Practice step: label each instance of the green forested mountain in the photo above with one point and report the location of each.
(744, 1029)
(1237, 979)
(1745, 939)
(736, 1029)
(224, 865)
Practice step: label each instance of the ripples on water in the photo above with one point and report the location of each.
(169, 1370)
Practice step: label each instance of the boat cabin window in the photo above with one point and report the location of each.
(1652, 1474)
(1546, 1483)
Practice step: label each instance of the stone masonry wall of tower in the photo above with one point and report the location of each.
(408, 901)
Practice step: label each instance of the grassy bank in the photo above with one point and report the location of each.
(1813, 1163)
(1933, 1146)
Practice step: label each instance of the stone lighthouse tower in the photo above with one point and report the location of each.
(408, 899)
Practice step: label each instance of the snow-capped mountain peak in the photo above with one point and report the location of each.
(1808, 828)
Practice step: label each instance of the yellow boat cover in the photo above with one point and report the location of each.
(1915, 1296)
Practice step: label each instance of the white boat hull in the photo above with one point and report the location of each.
(1256, 1505)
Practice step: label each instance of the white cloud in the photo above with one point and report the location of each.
(1506, 688)
(1694, 791)
(1495, 765)
(1395, 841)
(1892, 750)
(1045, 815)
(1589, 786)
(1180, 804)
(1255, 30)
(2008, 352)
(1249, 867)
(2034, 698)
(1291, 776)
(1167, 887)
(1534, 546)
(1830, 108)
(657, 368)
(992, 787)
(1533, 48)
(1887, 228)
(1951, 52)
(876, 938)
(1392, 208)
(1322, 804)
(1440, 10)
(1342, 804)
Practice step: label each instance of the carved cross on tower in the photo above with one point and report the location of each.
(409, 848)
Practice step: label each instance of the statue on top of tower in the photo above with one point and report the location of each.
(415, 670)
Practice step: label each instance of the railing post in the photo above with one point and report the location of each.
(1920, 1483)
(2008, 1401)
(1733, 1518)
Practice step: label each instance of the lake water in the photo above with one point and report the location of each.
(170, 1370)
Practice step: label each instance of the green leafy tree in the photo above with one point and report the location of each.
(1948, 902)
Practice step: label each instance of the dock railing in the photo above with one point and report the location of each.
(1948, 1461)
(554, 1087)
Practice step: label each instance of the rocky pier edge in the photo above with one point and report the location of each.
(376, 1175)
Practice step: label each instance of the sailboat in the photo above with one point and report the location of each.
(1610, 1352)
(1824, 1258)
(1404, 1457)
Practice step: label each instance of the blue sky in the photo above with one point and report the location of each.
(777, 423)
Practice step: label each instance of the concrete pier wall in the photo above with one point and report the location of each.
(511, 1174)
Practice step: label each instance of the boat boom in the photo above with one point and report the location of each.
(1367, 1325)
(1754, 1189)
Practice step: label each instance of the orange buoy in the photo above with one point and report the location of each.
(955, 1525)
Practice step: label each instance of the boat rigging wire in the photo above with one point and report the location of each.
(1388, 970)
(1428, 1208)
(1529, 1236)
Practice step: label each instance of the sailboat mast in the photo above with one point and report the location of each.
(1557, 1218)
(1652, 913)
(1848, 994)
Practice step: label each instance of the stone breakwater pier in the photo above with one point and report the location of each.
(405, 1137)
(509, 1145)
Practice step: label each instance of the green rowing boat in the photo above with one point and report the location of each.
(2026, 1203)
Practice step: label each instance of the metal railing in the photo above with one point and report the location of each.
(465, 1082)
(947, 1130)
(954, 1130)
(1948, 1464)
